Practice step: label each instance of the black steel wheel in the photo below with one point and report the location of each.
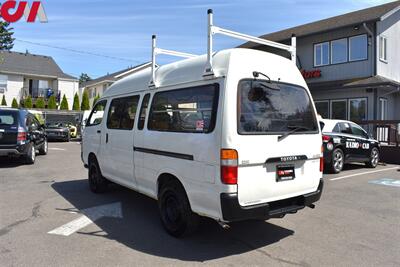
(97, 183)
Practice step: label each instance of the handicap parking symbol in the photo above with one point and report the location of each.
(386, 181)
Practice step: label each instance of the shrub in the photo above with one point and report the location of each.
(75, 106)
(40, 103)
(64, 103)
(85, 101)
(52, 104)
(3, 101)
(14, 103)
(28, 102)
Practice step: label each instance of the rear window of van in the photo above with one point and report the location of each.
(267, 107)
(8, 119)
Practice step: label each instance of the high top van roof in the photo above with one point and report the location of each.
(237, 63)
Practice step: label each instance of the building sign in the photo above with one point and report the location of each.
(311, 74)
(12, 11)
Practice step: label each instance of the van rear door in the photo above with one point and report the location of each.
(278, 142)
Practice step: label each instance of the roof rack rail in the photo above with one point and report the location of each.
(158, 51)
(212, 30)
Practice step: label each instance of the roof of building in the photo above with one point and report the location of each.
(30, 64)
(353, 18)
(368, 82)
(112, 77)
(232, 64)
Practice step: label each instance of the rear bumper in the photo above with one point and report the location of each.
(232, 211)
(13, 150)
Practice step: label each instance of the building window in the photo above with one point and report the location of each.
(321, 54)
(339, 109)
(3, 83)
(358, 47)
(339, 51)
(358, 109)
(383, 108)
(322, 108)
(383, 48)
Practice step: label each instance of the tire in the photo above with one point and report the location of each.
(373, 159)
(44, 148)
(31, 155)
(337, 161)
(175, 211)
(97, 183)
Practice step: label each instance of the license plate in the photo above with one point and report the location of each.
(285, 173)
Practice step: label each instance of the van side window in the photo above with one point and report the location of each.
(143, 111)
(122, 113)
(97, 114)
(185, 110)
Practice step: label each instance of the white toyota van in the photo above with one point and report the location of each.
(243, 143)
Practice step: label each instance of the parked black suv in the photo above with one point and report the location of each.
(21, 134)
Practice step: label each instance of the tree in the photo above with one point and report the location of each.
(52, 104)
(64, 103)
(40, 103)
(28, 102)
(14, 103)
(6, 32)
(75, 106)
(84, 78)
(85, 101)
(3, 101)
(96, 98)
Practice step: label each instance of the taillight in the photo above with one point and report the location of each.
(21, 136)
(326, 138)
(229, 166)
(321, 160)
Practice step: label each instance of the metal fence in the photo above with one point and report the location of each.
(387, 132)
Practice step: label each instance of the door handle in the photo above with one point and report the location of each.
(106, 137)
(98, 131)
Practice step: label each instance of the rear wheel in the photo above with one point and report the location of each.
(44, 148)
(97, 183)
(175, 211)
(31, 155)
(374, 158)
(337, 161)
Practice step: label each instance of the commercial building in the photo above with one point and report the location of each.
(23, 74)
(351, 62)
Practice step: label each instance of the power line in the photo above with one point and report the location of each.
(78, 51)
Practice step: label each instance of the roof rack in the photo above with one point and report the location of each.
(212, 30)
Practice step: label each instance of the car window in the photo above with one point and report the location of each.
(345, 128)
(143, 111)
(185, 110)
(358, 131)
(122, 113)
(336, 129)
(97, 114)
(8, 119)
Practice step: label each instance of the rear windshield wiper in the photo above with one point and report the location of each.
(295, 128)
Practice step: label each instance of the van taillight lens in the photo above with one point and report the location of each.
(229, 166)
(321, 160)
(21, 136)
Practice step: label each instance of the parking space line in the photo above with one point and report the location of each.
(56, 148)
(357, 174)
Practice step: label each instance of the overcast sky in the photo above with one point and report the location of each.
(123, 28)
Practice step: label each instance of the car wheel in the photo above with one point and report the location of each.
(44, 148)
(374, 158)
(337, 162)
(97, 183)
(31, 155)
(175, 211)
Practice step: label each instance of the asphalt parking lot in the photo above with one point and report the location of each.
(356, 223)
